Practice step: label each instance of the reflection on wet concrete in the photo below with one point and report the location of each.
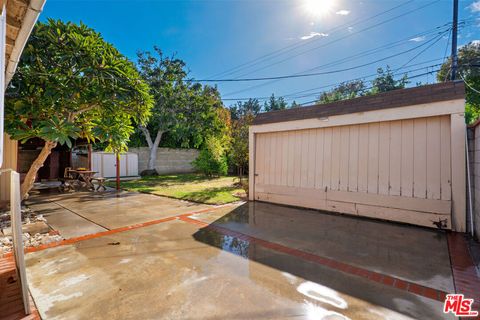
(323, 294)
(342, 238)
(394, 249)
(224, 242)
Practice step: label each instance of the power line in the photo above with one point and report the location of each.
(299, 44)
(412, 77)
(339, 61)
(420, 75)
(296, 95)
(420, 53)
(344, 37)
(261, 78)
(467, 84)
(370, 75)
(315, 73)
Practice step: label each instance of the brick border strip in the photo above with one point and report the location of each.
(465, 278)
(387, 280)
(13, 299)
(106, 233)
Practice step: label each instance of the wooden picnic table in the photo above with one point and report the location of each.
(83, 177)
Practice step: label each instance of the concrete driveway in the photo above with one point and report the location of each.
(158, 258)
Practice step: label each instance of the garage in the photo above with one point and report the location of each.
(396, 156)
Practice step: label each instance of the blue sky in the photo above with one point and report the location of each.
(215, 36)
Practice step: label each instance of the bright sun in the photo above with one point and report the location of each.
(318, 7)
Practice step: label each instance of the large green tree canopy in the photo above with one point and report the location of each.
(468, 70)
(185, 112)
(71, 83)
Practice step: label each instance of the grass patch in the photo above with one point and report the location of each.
(193, 187)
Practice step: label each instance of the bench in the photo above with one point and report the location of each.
(100, 183)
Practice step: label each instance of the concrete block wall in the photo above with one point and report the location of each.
(168, 160)
(474, 159)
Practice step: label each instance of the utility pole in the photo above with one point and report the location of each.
(454, 40)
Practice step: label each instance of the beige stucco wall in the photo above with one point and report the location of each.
(10, 155)
(168, 160)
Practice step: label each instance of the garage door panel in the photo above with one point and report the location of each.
(424, 205)
(291, 158)
(319, 141)
(445, 171)
(363, 158)
(353, 159)
(420, 158)
(344, 157)
(384, 158)
(335, 165)
(397, 165)
(297, 163)
(395, 158)
(327, 157)
(407, 159)
(292, 200)
(433, 158)
(311, 156)
(373, 137)
(407, 216)
(304, 163)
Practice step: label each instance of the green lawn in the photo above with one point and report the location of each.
(193, 187)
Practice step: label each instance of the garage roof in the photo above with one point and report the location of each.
(392, 99)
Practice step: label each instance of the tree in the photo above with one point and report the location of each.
(295, 105)
(274, 104)
(239, 149)
(188, 113)
(212, 159)
(70, 83)
(468, 69)
(385, 81)
(165, 76)
(240, 109)
(345, 90)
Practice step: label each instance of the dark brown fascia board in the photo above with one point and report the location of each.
(393, 99)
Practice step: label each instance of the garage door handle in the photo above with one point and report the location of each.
(256, 174)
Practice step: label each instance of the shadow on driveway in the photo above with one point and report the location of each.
(416, 255)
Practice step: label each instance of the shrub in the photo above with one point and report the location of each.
(212, 159)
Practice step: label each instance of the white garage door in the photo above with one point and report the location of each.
(396, 170)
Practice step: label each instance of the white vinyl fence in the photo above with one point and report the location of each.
(105, 164)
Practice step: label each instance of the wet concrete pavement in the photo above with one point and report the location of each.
(415, 254)
(179, 270)
(105, 210)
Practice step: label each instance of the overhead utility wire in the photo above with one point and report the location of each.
(298, 44)
(344, 37)
(319, 73)
(370, 75)
(381, 48)
(297, 94)
(412, 77)
(317, 93)
(274, 77)
(420, 75)
(270, 82)
(420, 53)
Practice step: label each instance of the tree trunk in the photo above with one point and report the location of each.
(36, 165)
(153, 146)
(153, 151)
